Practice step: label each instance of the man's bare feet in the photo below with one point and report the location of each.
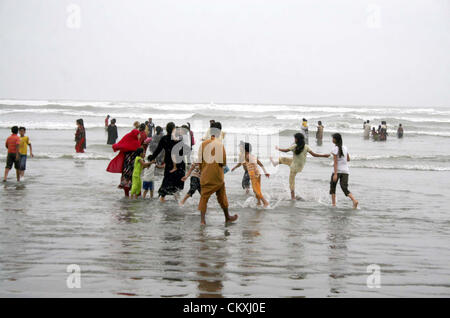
(355, 204)
(232, 218)
(266, 204)
(162, 199)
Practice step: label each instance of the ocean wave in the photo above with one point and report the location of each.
(252, 108)
(436, 158)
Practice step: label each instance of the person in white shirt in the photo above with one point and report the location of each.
(367, 129)
(341, 170)
(148, 179)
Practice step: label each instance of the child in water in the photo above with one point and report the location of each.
(251, 163)
(194, 172)
(341, 170)
(245, 177)
(137, 170)
(148, 178)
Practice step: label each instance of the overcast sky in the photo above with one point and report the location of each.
(355, 52)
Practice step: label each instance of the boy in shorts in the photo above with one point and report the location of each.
(23, 150)
(12, 144)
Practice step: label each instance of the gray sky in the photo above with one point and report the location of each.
(394, 52)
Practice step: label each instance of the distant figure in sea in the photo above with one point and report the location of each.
(80, 136)
(251, 164)
(305, 130)
(341, 172)
(212, 159)
(319, 133)
(194, 173)
(400, 131)
(139, 164)
(150, 127)
(383, 131)
(112, 132)
(300, 149)
(367, 130)
(172, 182)
(23, 151)
(375, 135)
(107, 121)
(13, 157)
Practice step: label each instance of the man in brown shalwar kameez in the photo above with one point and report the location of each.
(212, 159)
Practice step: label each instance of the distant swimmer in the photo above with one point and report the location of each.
(400, 131)
(319, 133)
(340, 170)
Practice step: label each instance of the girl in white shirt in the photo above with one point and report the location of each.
(341, 171)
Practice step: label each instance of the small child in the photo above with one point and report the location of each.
(194, 172)
(148, 178)
(251, 163)
(340, 171)
(137, 170)
(23, 150)
(245, 178)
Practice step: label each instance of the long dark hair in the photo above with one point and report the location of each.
(80, 122)
(337, 139)
(300, 143)
(170, 127)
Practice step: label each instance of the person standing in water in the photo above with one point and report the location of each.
(13, 157)
(212, 159)
(300, 149)
(305, 130)
(107, 121)
(400, 131)
(319, 133)
(112, 132)
(367, 130)
(341, 158)
(151, 127)
(194, 172)
(23, 151)
(139, 163)
(245, 178)
(172, 182)
(80, 137)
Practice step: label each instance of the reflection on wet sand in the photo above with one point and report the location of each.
(212, 253)
(338, 234)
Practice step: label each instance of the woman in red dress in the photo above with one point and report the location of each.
(80, 137)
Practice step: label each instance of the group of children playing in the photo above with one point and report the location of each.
(17, 152)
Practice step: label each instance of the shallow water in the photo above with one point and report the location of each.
(69, 211)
